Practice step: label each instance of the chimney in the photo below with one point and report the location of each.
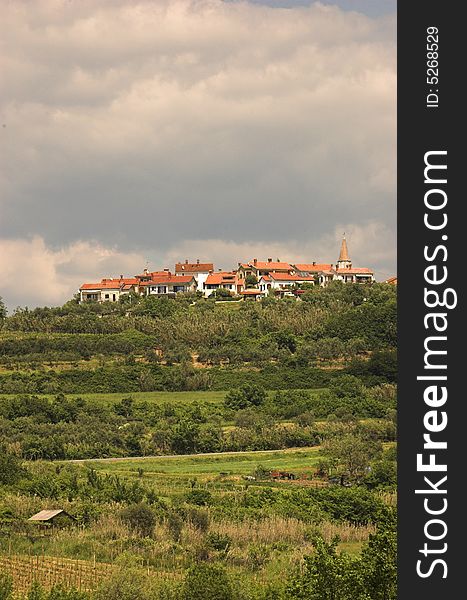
(197, 261)
(121, 276)
(145, 271)
(269, 259)
(166, 270)
(220, 270)
(255, 261)
(314, 262)
(186, 261)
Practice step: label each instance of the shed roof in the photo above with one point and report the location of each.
(46, 515)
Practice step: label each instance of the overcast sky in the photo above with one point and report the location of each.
(135, 132)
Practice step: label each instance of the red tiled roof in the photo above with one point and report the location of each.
(250, 292)
(169, 279)
(392, 280)
(283, 266)
(152, 274)
(221, 277)
(289, 277)
(314, 267)
(193, 267)
(130, 280)
(103, 285)
(355, 271)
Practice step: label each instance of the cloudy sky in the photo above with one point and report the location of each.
(138, 132)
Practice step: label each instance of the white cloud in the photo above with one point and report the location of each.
(35, 274)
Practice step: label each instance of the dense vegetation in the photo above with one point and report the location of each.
(305, 386)
(183, 344)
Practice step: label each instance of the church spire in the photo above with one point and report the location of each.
(344, 261)
(344, 255)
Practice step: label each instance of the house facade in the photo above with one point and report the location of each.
(260, 268)
(169, 285)
(108, 289)
(227, 280)
(279, 283)
(200, 271)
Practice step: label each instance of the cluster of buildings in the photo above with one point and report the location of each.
(254, 279)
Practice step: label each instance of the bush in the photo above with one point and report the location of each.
(247, 395)
(199, 497)
(218, 541)
(126, 584)
(140, 518)
(198, 518)
(206, 582)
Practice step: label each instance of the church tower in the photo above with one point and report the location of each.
(344, 261)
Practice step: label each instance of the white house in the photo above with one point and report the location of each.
(227, 280)
(275, 283)
(165, 285)
(200, 271)
(107, 290)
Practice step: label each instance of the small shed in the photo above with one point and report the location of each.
(52, 518)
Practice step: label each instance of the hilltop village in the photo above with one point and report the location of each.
(254, 279)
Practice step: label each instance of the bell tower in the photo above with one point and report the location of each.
(344, 261)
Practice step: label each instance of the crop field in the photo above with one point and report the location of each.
(214, 464)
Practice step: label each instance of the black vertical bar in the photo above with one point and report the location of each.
(430, 119)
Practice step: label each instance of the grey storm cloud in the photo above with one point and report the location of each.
(146, 129)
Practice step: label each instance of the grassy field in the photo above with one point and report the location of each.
(211, 397)
(231, 463)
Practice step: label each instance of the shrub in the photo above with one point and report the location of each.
(206, 582)
(218, 541)
(175, 525)
(198, 518)
(199, 497)
(126, 584)
(247, 395)
(140, 518)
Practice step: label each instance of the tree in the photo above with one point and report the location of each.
(379, 562)
(247, 395)
(286, 340)
(3, 311)
(140, 518)
(207, 582)
(251, 281)
(222, 293)
(11, 469)
(353, 453)
(328, 575)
